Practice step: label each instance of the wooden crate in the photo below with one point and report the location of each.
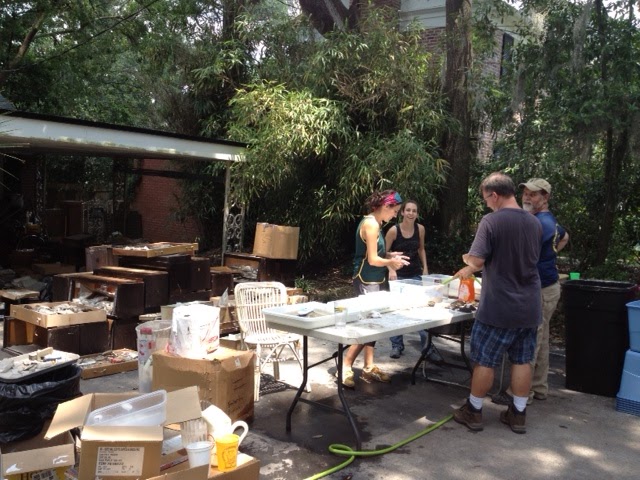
(267, 269)
(83, 339)
(156, 284)
(150, 250)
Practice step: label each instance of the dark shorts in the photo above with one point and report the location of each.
(360, 288)
(489, 343)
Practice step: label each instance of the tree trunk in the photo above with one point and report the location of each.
(457, 143)
(614, 161)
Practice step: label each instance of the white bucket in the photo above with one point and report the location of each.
(199, 453)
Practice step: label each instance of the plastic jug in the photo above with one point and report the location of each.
(466, 290)
(219, 423)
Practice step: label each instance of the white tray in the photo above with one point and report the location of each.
(302, 315)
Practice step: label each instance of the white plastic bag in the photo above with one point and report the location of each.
(195, 330)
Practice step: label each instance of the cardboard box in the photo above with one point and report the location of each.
(276, 241)
(150, 250)
(108, 363)
(224, 378)
(27, 314)
(248, 469)
(120, 453)
(49, 457)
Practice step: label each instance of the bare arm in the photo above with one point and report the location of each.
(474, 264)
(388, 241)
(369, 232)
(563, 242)
(422, 253)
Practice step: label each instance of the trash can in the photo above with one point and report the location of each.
(152, 336)
(25, 406)
(596, 334)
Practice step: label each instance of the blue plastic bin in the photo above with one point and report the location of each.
(628, 398)
(633, 314)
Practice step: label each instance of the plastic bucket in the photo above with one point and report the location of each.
(199, 453)
(152, 336)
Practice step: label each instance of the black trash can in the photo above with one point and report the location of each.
(26, 406)
(596, 334)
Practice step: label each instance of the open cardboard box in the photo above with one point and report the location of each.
(49, 457)
(224, 377)
(120, 453)
(27, 314)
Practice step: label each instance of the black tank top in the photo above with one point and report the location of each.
(409, 247)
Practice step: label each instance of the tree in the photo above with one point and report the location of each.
(335, 119)
(573, 121)
(457, 148)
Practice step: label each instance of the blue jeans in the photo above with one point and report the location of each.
(398, 342)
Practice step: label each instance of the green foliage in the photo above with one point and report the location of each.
(569, 119)
(357, 112)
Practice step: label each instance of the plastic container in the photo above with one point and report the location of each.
(466, 290)
(152, 337)
(597, 335)
(628, 398)
(633, 317)
(143, 411)
(199, 453)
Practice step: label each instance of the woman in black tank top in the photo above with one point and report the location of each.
(407, 237)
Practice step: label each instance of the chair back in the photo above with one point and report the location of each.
(251, 298)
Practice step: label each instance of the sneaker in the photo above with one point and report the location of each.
(395, 352)
(502, 398)
(433, 355)
(469, 416)
(515, 419)
(347, 377)
(374, 373)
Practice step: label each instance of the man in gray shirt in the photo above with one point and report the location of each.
(506, 248)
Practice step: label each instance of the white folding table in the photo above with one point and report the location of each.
(362, 331)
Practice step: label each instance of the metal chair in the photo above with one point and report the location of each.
(251, 298)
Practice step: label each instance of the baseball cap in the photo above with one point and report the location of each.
(537, 184)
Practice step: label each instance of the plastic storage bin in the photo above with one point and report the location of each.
(597, 336)
(633, 316)
(628, 398)
(143, 411)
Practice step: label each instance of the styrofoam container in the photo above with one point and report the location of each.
(633, 314)
(146, 410)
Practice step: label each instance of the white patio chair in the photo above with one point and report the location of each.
(251, 298)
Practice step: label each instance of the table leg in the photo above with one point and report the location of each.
(423, 358)
(303, 385)
(343, 400)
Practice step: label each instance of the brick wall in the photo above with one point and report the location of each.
(156, 202)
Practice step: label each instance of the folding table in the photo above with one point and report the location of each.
(362, 331)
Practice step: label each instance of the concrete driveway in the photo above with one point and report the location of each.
(571, 435)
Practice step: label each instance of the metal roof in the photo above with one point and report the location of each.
(37, 133)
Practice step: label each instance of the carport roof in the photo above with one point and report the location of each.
(31, 133)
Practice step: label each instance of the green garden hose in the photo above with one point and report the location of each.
(345, 450)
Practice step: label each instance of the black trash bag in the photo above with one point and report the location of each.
(26, 406)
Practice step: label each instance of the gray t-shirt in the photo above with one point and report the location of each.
(509, 240)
